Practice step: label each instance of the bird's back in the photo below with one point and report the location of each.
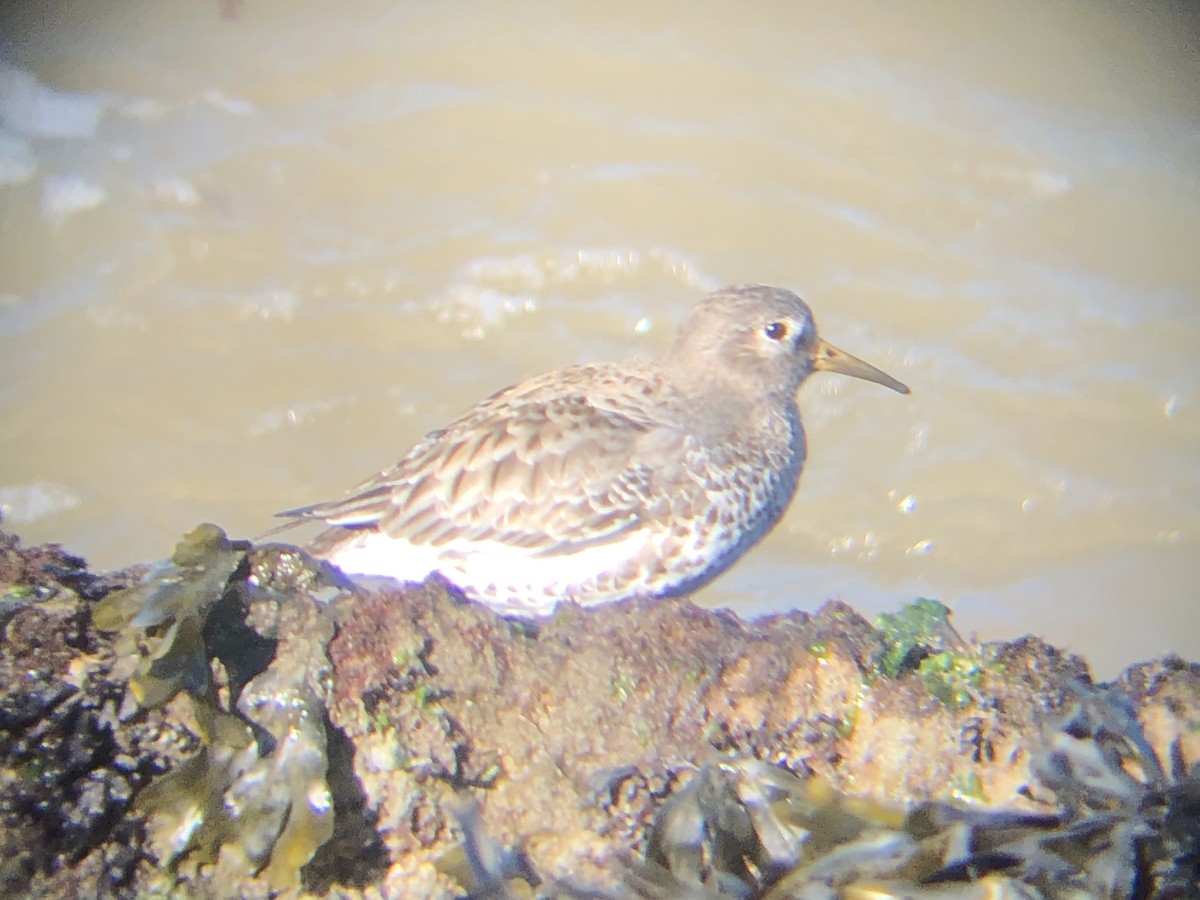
(587, 483)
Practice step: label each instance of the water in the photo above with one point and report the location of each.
(251, 252)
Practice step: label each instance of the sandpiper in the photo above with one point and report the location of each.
(604, 481)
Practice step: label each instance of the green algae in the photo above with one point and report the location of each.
(907, 634)
(19, 593)
(819, 649)
(953, 678)
(920, 638)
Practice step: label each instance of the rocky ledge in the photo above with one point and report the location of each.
(242, 721)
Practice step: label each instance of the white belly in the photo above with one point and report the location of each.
(509, 579)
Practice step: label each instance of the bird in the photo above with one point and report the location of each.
(603, 481)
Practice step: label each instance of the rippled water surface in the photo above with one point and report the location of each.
(250, 252)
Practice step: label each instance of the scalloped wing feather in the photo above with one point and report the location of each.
(545, 473)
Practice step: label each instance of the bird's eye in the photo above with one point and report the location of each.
(776, 331)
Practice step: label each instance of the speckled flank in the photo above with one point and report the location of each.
(599, 482)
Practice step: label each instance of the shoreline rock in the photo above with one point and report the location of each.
(243, 721)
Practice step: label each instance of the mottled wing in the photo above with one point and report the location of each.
(526, 468)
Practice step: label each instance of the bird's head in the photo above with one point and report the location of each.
(764, 340)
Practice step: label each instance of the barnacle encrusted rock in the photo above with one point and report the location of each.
(67, 777)
(241, 721)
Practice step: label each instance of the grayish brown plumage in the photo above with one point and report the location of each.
(604, 481)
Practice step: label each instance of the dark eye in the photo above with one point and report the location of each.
(776, 331)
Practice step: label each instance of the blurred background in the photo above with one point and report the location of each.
(251, 251)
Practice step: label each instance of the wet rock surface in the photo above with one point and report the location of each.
(243, 721)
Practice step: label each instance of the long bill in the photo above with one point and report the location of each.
(829, 358)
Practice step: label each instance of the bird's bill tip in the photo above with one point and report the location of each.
(829, 358)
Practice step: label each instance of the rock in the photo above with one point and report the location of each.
(241, 721)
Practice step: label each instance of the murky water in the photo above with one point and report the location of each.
(250, 253)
